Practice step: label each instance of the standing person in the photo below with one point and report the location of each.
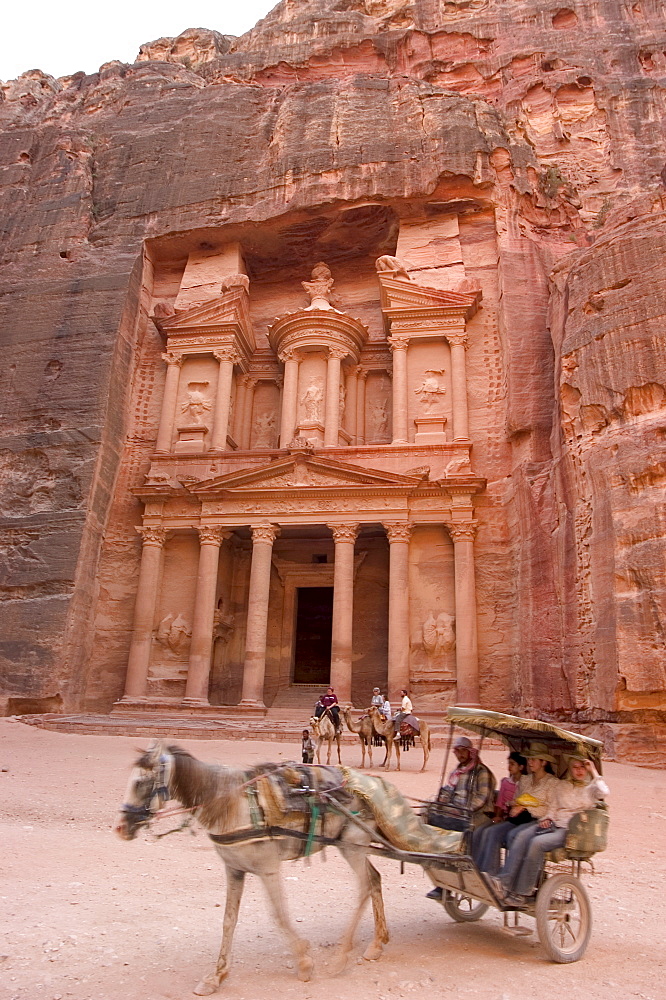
(405, 709)
(581, 788)
(329, 701)
(377, 699)
(307, 747)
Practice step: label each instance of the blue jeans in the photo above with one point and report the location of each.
(518, 848)
(528, 873)
(486, 844)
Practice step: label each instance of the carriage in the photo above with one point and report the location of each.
(560, 906)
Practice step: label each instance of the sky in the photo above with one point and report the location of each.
(62, 38)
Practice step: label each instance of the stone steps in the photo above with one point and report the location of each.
(285, 728)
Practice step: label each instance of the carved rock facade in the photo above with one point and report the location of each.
(163, 359)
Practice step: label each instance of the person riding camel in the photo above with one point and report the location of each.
(329, 701)
(405, 710)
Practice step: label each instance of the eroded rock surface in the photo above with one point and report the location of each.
(538, 129)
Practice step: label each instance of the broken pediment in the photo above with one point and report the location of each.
(227, 313)
(307, 473)
(399, 294)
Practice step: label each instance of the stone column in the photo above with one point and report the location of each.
(458, 344)
(332, 410)
(226, 357)
(168, 413)
(136, 682)
(351, 386)
(343, 608)
(467, 658)
(360, 406)
(239, 409)
(291, 361)
(399, 347)
(248, 403)
(398, 624)
(201, 646)
(254, 667)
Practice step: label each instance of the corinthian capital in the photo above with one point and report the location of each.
(338, 352)
(465, 531)
(265, 532)
(172, 359)
(457, 338)
(226, 353)
(398, 343)
(289, 354)
(152, 535)
(212, 534)
(344, 532)
(398, 531)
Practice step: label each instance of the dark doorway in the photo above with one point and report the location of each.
(312, 652)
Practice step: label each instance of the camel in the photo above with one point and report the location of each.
(365, 731)
(225, 801)
(386, 729)
(324, 732)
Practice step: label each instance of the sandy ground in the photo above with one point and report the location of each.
(86, 915)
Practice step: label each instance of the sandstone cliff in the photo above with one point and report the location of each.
(540, 125)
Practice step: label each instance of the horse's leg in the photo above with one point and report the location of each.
(235, 883)
(299, 947)
(369, 884)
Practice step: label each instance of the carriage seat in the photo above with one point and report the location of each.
(587, 834)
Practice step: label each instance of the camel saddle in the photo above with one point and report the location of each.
(410, 726)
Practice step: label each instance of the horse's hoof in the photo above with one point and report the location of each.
(373, 952)
(305, 967)
(206, 988)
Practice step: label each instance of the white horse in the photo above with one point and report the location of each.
(225, 802)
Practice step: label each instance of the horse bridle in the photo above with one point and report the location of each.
(159, 794)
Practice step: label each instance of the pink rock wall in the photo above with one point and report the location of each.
(537, 128)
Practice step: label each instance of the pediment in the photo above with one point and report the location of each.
(401, 294)
(230, 307)
(303, 473)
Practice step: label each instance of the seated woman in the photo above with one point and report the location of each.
(536, 795)
(582, 788)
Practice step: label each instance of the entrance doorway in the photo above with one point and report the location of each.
(312, 648)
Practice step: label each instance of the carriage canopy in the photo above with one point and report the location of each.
(517, 733)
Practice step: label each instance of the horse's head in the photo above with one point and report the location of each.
(147, 790)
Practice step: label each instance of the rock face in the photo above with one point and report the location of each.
(521, 151)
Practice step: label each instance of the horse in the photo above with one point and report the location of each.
(325, 732)
(225, 801)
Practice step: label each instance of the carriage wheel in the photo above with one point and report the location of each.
(563, 918)
(463, 909)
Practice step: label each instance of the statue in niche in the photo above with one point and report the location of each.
(392, 264)
(439, 636)
(379, 416)
(342, 401)
(264, 430)
(196, 404)
(320, 287)
(174, 633)
(311, 401)
(431, 391)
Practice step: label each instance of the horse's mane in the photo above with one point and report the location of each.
(214, 790)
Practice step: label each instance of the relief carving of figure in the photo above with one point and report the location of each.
(196, 404)
(431, 390)
(439, 635)
(320, 287)
(174, 633)
(311, 401)
(265, 430)
(343, 401)
(379, 417)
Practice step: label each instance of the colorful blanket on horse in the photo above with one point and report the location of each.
(292, 794)
(396, 819)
